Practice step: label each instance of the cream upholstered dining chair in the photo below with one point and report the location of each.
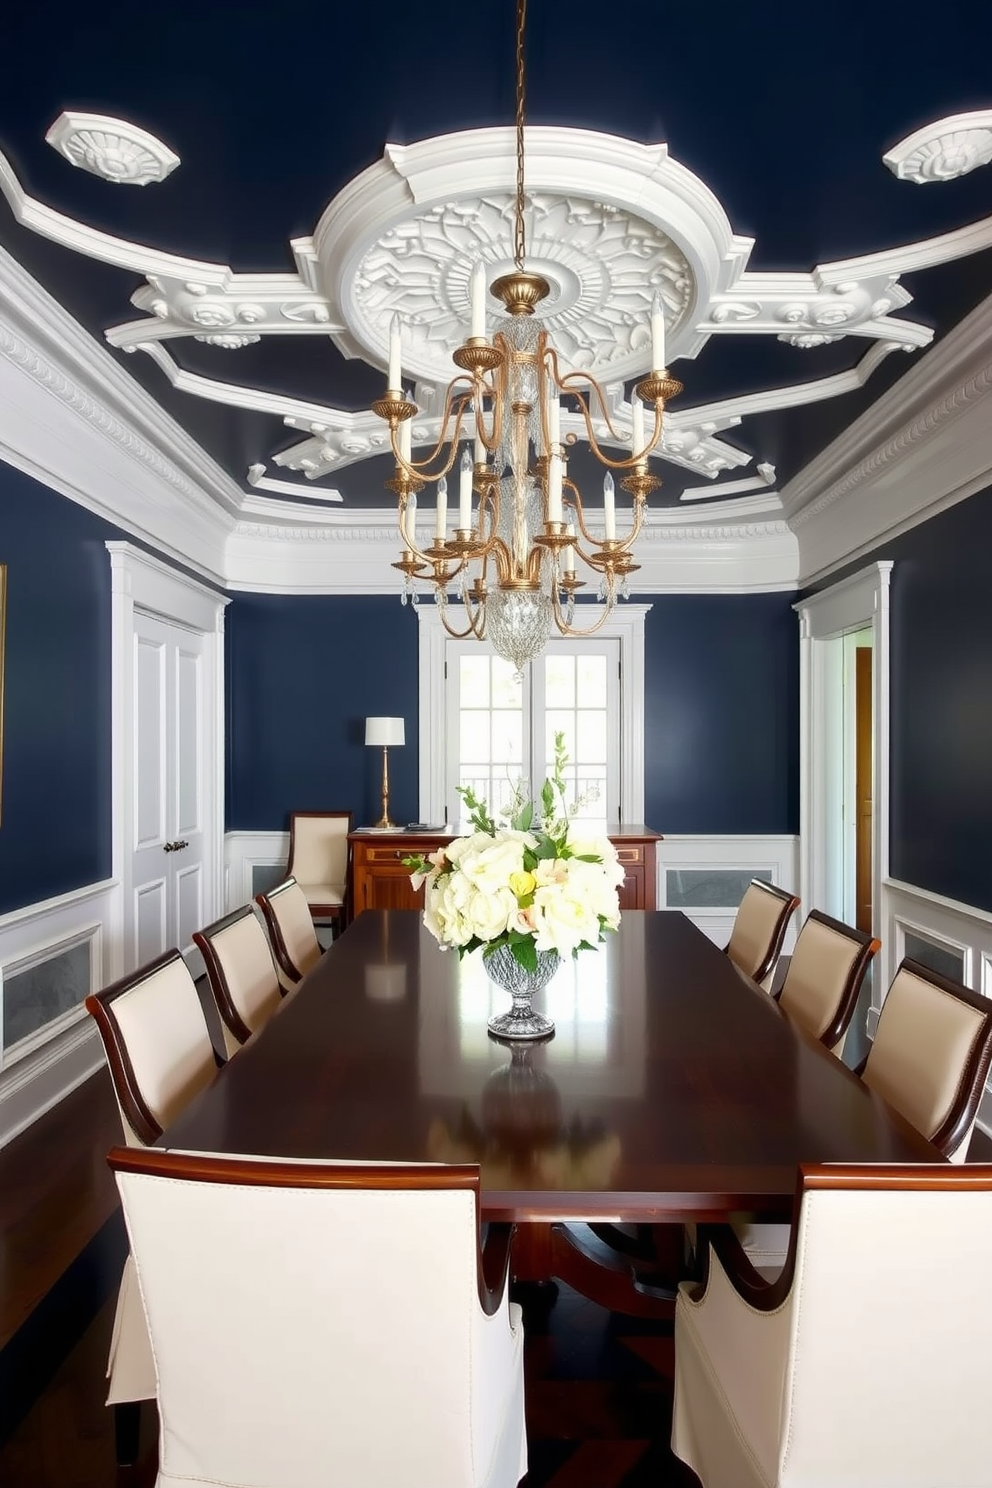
(380, 1345)
(241, 973)
(286, 915)
(759, 929)
(929, 1060)
(160, 1056)
(930, 1055)
(834, 1374)
(318, 860)
(826, 970)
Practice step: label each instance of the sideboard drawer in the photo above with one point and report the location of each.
(630, 855)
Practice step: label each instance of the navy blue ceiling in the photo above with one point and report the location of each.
(783, 109)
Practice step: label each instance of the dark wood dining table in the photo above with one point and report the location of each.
(673, 1089)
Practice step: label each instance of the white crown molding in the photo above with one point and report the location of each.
(926, 444)
(351, 553)
(942, 151)
(72, 418)
(112, 148)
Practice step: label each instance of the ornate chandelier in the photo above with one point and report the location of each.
(521, 524)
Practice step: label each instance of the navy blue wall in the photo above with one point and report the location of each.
(721, 718)
(940, 834)
(303, 673)
(722, 714)
(56, 818)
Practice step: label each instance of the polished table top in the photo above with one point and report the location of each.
(673, 1088)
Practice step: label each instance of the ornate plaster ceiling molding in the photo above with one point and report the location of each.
(112, 148)
(609, 223)
(943, 150)
(262, 482)
(760, 482)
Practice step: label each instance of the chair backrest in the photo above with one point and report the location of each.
(884, 1360)
(930, 1055)
(353, 1363)
(318, 847)
(241, 972)
(292, 936)
(157, 1044)
(821, 986)
(759, 929)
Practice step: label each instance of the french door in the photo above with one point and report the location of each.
(500, 732)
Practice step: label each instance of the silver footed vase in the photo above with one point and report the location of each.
(503, 968)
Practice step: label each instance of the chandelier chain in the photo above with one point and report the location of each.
(518, 224)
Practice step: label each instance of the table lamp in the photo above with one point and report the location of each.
(384, 732)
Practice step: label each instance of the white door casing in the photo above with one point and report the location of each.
(168, 732)
(856, 602)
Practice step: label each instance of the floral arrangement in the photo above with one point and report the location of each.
(521, 881)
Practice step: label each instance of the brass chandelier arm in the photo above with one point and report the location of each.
(617, 544)
(603, 613)
(456, 406)
(567, 384)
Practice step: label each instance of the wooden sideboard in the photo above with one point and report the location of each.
(380, 881)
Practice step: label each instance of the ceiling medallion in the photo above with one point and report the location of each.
(111, 148)
(521, 523)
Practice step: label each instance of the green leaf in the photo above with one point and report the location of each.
(525, 951)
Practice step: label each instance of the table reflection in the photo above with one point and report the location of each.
(522, 1135)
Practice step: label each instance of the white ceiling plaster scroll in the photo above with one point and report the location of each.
(112, 148)
(943, 150)
(760, 482)
(257, 477)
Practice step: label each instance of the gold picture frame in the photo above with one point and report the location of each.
(3, 627)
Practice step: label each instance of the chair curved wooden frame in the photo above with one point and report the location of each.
(492, 1256)
(961, 1114)
(766, 1295)
(220, 986)
(291, 974)
(753, 1357)
(100, 1005)
(868, 947)
(786, 905)
(340, 914)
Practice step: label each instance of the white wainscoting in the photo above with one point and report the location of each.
(243, 853)
(747, 856)
(948, 925)
(39, 1070)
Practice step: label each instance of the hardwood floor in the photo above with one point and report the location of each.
(598, 1386)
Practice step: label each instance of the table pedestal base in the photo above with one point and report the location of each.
(633, 1281)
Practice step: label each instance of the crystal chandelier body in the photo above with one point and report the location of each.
(520, 525)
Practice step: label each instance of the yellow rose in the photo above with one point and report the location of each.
(522, 883)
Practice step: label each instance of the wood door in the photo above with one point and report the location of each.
(164, 901)
(863, 786)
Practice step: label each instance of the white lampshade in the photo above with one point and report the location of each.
(386, 732)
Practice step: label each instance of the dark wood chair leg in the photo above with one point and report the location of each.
(127, 1431)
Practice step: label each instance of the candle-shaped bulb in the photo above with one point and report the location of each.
(554, 488)
(657, 334)
(406, 439)
(465, 491)
(411, 520)
(637, 425)
(394, 380)
(609, 507)
(570, 550)
(441, 523)
(554, 419)
(478, 300)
